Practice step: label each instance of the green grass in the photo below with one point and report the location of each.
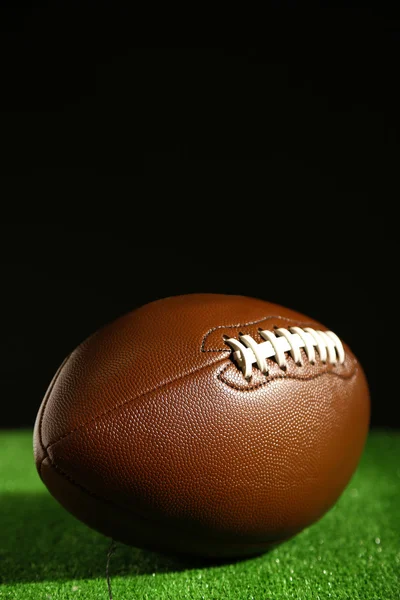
(353, 552)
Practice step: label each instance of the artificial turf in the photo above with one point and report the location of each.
(353, 552)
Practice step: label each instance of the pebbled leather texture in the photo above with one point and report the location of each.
(150, 433)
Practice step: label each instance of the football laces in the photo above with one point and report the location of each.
(278, 343)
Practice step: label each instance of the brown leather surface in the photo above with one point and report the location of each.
(152, 420)
(123, 525)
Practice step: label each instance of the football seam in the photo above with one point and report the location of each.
(256, 386)
(204, 349)
(115, 408)
(92, 494)
(45, 402)
(75, 483)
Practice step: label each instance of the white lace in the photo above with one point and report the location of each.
(247, 351)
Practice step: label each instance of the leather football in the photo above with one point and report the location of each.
(207, 424)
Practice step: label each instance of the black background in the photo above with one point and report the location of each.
(268, 170)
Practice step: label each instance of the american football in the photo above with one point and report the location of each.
(208, 424)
